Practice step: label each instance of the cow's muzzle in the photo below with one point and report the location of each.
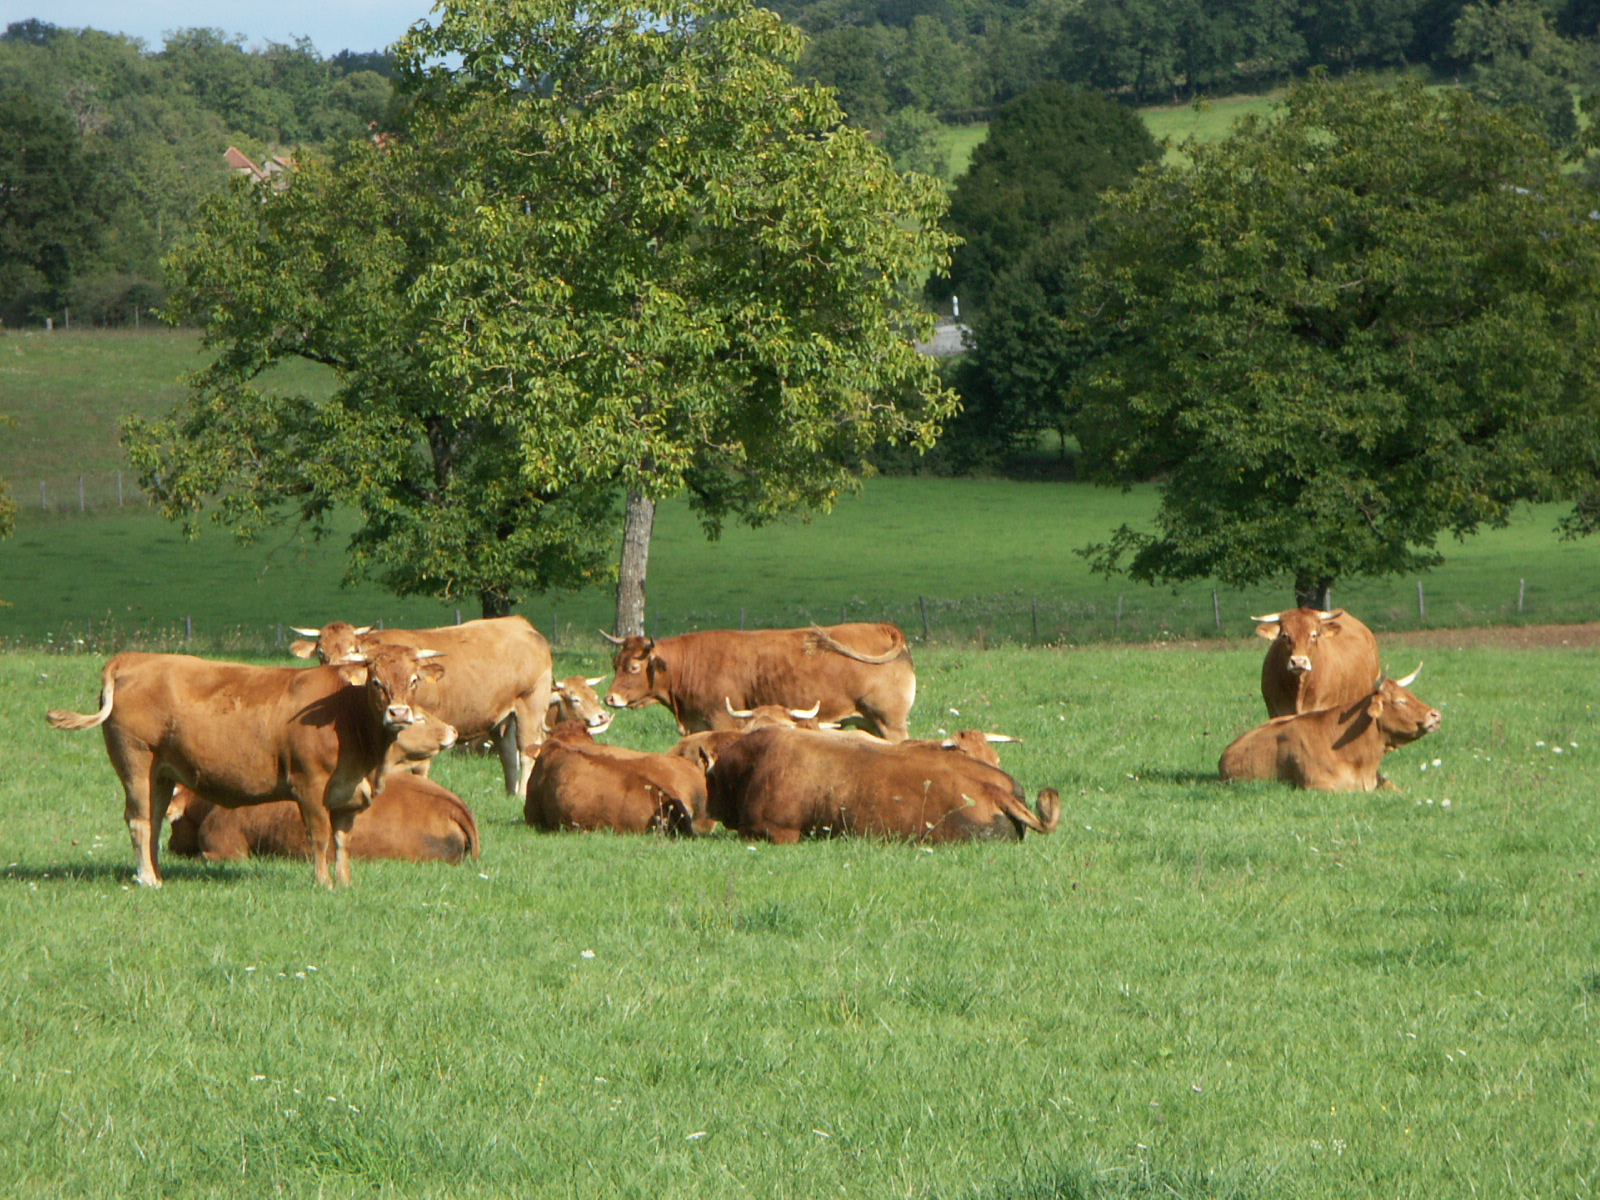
(615, 701)
(398, 716)
(1432, 720)
(599, 722)
(1299, 663)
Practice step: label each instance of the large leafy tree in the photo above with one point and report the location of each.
(616, 250)
(1340, 334)
(1048, 156)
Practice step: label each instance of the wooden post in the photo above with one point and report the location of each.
(1422, 608)
(188, 629)
(1522, 590)
(842, 617)
(380, 624)
(741, 618)
(1216, 610)
(1119, 615)
(119, 475)
(43, 507)
(458, 616)
(1036, 618)
(555, 626)
(278, 640)
(927, 634)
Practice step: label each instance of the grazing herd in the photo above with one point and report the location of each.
(329, 762)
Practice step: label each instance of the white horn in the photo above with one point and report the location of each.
(1411, 678)
(595, 680)
(306, 632)
(615, 641)
(430, 654)
(741, 713)
(363, 630)
(1268, 618)
(999, 737)
(355, 656)
(805, 714)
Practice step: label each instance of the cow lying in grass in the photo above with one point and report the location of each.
(579, 784)
(784, 784)
(1334, 749)
(410, 817)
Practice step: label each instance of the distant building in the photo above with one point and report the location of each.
(277, 165)
(949, 337)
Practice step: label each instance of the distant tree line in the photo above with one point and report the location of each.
(108, 147)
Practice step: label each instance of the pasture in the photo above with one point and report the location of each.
(1188, 990)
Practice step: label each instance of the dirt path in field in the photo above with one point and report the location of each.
(1520, 637)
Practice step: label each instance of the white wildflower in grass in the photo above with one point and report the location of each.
(1438, 762)
(588, 954)
(1557, 749)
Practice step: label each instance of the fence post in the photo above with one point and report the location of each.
(80, 494)
(1119, 616)
(188, 629)
(119, 475)
(380, 624)
(1422, 608)
(842, 616)
(741, 618)
(1216, 610)
(927, 635)
(1522, 588)
(458, 616)
(1036, 618)
(555, 626)
(43, 507)
(278, 641)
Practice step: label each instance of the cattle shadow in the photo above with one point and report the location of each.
(182, 869)
(1182, 778)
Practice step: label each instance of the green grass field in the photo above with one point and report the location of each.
(1187, 991)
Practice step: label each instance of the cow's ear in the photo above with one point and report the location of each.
(355, 674)
(1268, 631)
(302, 648)
(431, 670)
(1375, 706)
(657, 663)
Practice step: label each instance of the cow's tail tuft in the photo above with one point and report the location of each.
(821, 637)
(65, 718)
(1049, 810)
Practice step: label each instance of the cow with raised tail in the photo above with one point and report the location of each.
(1337, 749)
(856, 670)
(244, 735)
(580, 784)
(499, 685)
(781, 785)
(1317, 659)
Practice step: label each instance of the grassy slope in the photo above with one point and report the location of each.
(1187, 990)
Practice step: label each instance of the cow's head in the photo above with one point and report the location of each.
(574, 699)
(421, 740)
(637, 667)
(333, 643)
(975, 743)
(1300, 631)
(1399, 714)
(391, 675)
(765, 716)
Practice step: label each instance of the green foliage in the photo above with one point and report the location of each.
(915, 141)
(1048, 156)
(1340, 334)
(612, 250)
(1520, 64)
(848, 59)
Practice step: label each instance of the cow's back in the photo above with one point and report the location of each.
(1344, 665)
(592, 787)
(489, 664)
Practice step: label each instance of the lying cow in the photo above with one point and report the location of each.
(498, 687)
(703, 748)
(245, 735)
(578, 783)
(410, 818)
(1316, 660)
(574, 699)
(859, 670)
(1334, 749)
(784, 784)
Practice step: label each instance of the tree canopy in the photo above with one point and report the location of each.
(1048, 156)
(1340, 334)
(613, 249)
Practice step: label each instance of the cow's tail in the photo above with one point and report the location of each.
(469, 826)
(65, 718)
(1045, 820)
(821, 637)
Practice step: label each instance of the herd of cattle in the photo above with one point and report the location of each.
(332, 761)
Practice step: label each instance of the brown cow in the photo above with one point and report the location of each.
(578, 783)
(245, 735)
(574, 699)
(1316, 660)
(860, 670)
(783, 784)
(1334, 749)
(499, 670)
(410, 818)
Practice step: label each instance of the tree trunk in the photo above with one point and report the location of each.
(1309, 593)
(636, 528)
(495, 603)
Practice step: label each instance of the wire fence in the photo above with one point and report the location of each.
(980, 622)
(91, 491)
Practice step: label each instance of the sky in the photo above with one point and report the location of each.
(332, 25)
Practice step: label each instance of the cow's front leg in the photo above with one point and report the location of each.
(319, 832)
(342, 821)
(506, 735)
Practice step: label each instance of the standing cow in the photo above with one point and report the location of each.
(245, 735)
(499, 684)
(858, 670)
(1316, 660)
(1337, 749)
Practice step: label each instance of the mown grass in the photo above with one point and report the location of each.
(1188, 990)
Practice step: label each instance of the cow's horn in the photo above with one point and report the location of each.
(355, 656)
(742, 713)
(615, 641)
(365, 629)
(1000, 737)
(312, 633)
(1411, 678)
(1329, 615)
(1270, 617)
(595, 680)
(430, 654)
(805, 714)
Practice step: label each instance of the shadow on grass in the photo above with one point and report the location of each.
(1187, 778)
(119, 872)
